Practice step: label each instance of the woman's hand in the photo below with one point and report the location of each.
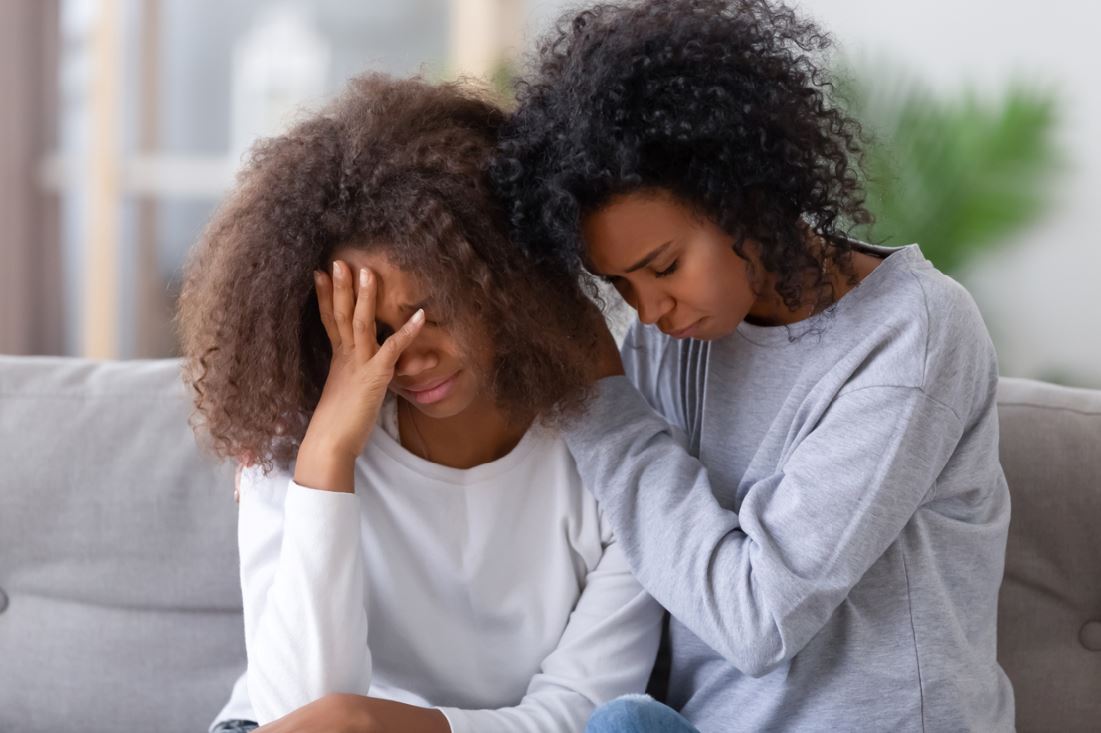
(359, 375)
(346, 713)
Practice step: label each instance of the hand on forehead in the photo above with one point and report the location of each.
(399, 292)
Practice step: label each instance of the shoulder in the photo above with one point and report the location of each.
(932, 335)
(916, 300)
(952, 316)
(550, 466)
(555, 474)
(958, 345)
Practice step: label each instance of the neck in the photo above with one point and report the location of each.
(839, 278)
(481, 433)
(771, 310)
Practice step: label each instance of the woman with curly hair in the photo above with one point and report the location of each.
(418, 552)
(818, 501)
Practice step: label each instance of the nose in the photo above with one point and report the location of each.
(415, 360)
(651, 306)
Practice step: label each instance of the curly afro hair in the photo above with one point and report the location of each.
(399, 165)
(721, 103)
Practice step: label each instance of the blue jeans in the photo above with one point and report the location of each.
(637, 714)
(236, 726)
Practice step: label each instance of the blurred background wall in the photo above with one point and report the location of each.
(1039, 285)
(123, 121)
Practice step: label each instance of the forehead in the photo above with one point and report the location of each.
(394, 284)
(631, 226)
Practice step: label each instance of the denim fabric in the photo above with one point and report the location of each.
(235, 726)
(637, 714)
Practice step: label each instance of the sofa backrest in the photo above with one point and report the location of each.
(118, 555)
(119, 599)
(1049, 625)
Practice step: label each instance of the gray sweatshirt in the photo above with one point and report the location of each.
(821, 509)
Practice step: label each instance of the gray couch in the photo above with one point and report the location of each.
(119, 603)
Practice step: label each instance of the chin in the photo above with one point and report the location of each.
(440, 410)
(714, 333)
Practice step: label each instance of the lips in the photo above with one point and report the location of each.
(428, 393)
(426, 386)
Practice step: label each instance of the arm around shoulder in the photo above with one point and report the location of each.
(757, 584)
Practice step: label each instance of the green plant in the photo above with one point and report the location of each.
(957, 174)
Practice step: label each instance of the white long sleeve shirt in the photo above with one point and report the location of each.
(496, 594)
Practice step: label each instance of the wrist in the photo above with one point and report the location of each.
(325, 466)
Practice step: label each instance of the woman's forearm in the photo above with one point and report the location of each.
(303, 588)
(387, 716)
(324, 467)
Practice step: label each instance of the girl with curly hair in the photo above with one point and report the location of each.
(418, 552)
(799, 453)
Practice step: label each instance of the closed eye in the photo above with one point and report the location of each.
(383, 332)
(667, 271)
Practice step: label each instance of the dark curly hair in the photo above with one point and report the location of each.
(399, 165)
(720, 103)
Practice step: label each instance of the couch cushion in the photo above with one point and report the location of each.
(118, 552)
(1050, 605)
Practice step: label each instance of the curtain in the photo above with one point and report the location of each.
(30, 256)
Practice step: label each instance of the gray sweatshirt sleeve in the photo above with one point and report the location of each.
(758, 584)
